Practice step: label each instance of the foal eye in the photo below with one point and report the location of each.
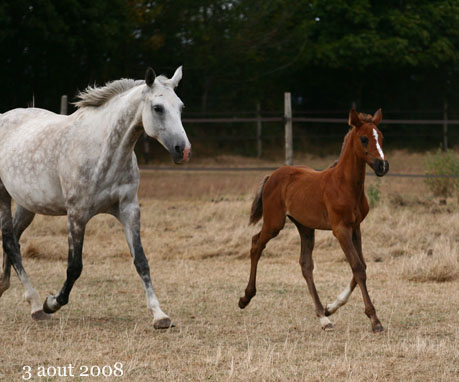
(364, 140)
(158, 108)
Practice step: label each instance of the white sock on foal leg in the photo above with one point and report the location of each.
(340, 300)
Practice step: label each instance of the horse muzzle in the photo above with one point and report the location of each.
(380, 167)
(181, 153)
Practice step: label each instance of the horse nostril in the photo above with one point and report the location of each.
(178, 149)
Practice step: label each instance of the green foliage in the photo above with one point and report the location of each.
(374, 193)
(443, 166)
(328, 53)
(51, 47)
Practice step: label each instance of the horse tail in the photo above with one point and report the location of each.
(256, 212)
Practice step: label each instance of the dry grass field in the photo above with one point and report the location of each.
(195, 234)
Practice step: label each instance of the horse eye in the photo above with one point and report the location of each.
(364, 140)
(158, 108)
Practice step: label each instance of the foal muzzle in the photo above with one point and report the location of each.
(380, 167)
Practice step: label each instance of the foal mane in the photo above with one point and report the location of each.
(346, 139)
(366, 117)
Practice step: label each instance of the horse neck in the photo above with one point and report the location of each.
(350, 167)
(122, 130)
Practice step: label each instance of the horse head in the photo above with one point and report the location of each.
(161, 114)
(369, 140)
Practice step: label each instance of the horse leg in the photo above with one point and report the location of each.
(129, 216)
(22, 219)
(13, 253)
(75, 227)
(344, 235)
(346, 293)
(259, 241)
(5, 279)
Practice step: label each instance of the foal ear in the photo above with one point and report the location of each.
(354, 119)
(176, 77)
(377, 117)
(150, 76)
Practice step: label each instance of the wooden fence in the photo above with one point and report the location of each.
(289, 119)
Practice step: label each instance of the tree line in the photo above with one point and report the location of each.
(401, 55)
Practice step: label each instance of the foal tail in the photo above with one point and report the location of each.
(256, 212)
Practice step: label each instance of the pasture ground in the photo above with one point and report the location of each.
(195, 234)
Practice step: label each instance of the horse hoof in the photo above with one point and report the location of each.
(50, 306)
(39, 315)
(378, 328)
(242, 303)
(163, 323)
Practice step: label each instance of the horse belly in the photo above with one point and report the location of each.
(39, 194)
(314, 222)
(29, 154)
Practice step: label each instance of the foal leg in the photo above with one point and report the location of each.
(346, 293)
(307, 267)
(75, 227)
(129, 216)
(13, 255)
(344, 235)
(259, 241)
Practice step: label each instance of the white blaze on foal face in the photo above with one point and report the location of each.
(378, 147)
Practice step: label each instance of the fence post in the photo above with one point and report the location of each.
(288, 129)
(445, 126)
(259, 142)
(64, 104)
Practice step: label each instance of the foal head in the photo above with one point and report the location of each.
(161, 114)
(368, 140)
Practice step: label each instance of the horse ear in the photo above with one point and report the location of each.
(150, 76)
(176, 77)
(377, 117)
(354, 119)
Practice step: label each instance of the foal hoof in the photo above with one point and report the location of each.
(326, 324)
(378, 328)
(163, 323)
(39, 315)
(329, 327)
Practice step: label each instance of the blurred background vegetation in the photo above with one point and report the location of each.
(401, 55)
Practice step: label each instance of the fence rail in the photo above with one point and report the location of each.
(289, 119)
(250, 169)
(317, 120)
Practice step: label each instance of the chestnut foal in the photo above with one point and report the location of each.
(332, 199)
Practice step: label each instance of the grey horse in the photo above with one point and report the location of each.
(82, 165)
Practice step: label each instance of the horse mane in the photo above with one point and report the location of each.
(98, 96)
